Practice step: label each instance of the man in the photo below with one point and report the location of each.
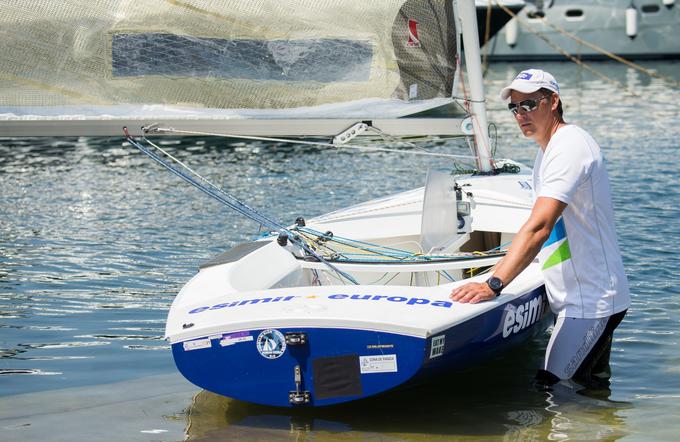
(571, 230)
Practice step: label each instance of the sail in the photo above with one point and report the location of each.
(439, 224)
(78, 61)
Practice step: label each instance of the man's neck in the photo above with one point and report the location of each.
(550, 131)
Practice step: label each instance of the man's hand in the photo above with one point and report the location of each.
(472, 292)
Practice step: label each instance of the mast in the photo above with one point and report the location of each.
(468, 17)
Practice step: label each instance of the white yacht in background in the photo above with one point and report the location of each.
(495, 13)
(633, 29)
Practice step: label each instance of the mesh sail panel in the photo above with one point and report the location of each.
(204, 59)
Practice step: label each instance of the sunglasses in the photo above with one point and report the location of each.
(526, 105)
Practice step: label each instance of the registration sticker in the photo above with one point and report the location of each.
(378, 363)
(196, 344)
(235, 338)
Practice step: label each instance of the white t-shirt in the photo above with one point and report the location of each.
(581, 262)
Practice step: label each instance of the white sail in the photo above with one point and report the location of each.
(85, 67)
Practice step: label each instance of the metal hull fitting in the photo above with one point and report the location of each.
(337, 364)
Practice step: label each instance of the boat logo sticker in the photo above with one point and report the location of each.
(437, 348)
(271, 343)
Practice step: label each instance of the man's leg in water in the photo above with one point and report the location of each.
(579, 349)
(594, 371)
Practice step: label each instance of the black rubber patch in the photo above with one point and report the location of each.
(336, 376)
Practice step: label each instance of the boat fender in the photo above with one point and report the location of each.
(631, 21)
(668, 3)
(511, 32)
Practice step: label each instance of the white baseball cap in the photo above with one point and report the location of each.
(529, 81)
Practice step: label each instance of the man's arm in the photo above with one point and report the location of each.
(524, 248)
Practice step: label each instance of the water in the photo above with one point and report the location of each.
(95, 241)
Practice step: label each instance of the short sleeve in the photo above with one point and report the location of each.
(567, 164)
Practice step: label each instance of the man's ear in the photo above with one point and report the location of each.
(554, 102)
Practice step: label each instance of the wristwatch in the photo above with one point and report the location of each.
(496, 285)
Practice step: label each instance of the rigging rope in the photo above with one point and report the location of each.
(370, 252)
(204, 185)
(373, 249)
(230, 201)
(315, 240)
(314, 244)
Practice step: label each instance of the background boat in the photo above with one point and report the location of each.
(548, 30)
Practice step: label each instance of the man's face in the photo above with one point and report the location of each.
(535, 122)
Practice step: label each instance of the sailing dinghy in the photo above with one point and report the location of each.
(329, 309)
(354, 303)
(266, 322)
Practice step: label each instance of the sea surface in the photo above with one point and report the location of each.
(96, 240)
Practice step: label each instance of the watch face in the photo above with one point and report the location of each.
(495, 283)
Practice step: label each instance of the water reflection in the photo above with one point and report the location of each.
(495, 402)
(429, 415)
(27, 371)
